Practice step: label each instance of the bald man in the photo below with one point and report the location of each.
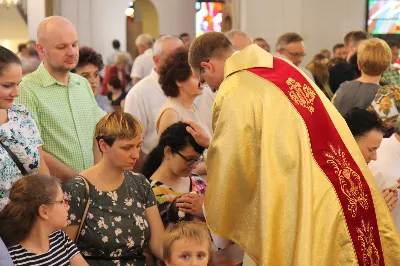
(61, 103)
(239, 39)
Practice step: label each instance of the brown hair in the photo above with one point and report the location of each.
(207, 46)
(7, 58)
(287, 38)
(374, 56)
(176, 68)
(20, 214)
(356, 36)
(117, 125)
(194, 231)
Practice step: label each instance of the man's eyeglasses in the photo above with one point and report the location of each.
(297, 55)
(63, 201)
(190, 162)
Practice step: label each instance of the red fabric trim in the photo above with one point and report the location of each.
(333, 157)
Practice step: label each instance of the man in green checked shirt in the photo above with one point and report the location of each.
(61, 103)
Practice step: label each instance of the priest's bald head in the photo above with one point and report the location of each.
(207, 56)
(57, 44)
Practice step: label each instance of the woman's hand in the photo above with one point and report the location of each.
(391, 196)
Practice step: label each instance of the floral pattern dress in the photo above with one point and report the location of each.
(21, 135)
(116, 224)
(166, 195)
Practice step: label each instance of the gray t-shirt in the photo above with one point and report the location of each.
(354, 94)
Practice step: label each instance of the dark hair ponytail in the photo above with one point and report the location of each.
(19, 215)
(177, 138)
(153, 161)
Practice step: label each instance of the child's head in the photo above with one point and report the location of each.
(33, 199)
(374, 57)
(186, 244)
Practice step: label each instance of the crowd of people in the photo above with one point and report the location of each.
(178, 157)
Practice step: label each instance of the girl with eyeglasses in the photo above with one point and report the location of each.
(170, 167)
(31, 223)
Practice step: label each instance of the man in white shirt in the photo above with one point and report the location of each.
(146, 98)
(239, 39)
(143, 64)
(386, 169)
(291, 46)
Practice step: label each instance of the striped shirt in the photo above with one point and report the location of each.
(65, 115)
(61, 251)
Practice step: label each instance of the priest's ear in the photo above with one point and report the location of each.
(206, 65)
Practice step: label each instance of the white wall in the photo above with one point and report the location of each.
(176, 16)
(98, 22)
(36, 12)
(322, 23)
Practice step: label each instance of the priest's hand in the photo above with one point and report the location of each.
(191, 203)
(391, 196)
(198, 133)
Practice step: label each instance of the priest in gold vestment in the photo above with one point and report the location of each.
(286, 179)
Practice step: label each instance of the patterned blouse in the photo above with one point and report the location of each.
(21, 135)
(116, 224)
(166, 195)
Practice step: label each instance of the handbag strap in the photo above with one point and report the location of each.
(15, 159)
(86, 209)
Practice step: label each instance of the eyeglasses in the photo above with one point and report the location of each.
(191, 162)
(297, 55)
(63, 201)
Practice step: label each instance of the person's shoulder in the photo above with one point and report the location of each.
(58, 235)
(349, 84)
(143, 86)
(20, 110)
(76, 183)
(136, 177)
(31, 80)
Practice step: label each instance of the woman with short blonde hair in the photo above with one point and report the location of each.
(122, 217)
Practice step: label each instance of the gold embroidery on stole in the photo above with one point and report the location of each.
(350, 181)
(370, 252)
(302, 95)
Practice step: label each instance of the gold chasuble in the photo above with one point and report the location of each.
(286, 179)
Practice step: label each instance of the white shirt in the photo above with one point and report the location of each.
(144, 101)
(204, 104)
(386, 169)
(143, 65)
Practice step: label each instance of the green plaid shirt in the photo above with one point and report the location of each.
(66, 116)
(392, 76)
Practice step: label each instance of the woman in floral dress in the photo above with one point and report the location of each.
(170, 167)
(122, 219)
(18, 131)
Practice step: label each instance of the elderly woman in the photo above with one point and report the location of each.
(113, 213)
(20, 142)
